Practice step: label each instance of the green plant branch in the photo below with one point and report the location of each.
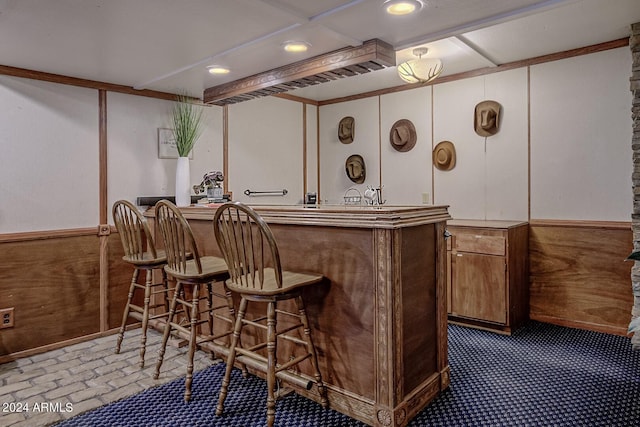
(187, 124)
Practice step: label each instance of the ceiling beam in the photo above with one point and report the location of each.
(477, 24)
(370, 56)
(316, 19)
(470, 47)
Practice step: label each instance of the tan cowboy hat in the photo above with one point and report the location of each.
(354, 166)
(444, 156)
(346, 130)
(403, 135)
(486, 118)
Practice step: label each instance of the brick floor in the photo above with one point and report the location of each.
(46, 388)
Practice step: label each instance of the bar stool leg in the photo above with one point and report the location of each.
(232, 313)
(209, 307)
(165, 281)
(145, 314)
(311, 349)
(195, 297)
(125, 315)
(167, 329)
(271, 363)
(231, 358)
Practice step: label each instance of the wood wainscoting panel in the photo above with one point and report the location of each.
(120, 274)
(54, 286)
(344, 336)
(578, 275)
(418, 307)
(341, 310)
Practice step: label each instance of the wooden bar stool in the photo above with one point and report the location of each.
(252, 256)
(191, 271)
(140, 251)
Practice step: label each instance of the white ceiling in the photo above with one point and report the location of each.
(166, 45)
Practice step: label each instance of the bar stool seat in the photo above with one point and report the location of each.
(256, 275)
(210, 268)
(140, 251)
(194, 276)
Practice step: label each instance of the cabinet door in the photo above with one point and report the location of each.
(478, 287)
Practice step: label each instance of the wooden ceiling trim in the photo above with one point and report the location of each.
(372, 55)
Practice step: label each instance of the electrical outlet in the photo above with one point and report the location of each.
(426, 198)
(6, 318)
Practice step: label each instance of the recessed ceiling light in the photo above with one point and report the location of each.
(296, 46)
(402, 7)
(216, 69)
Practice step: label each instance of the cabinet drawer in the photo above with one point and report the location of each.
(477, 243)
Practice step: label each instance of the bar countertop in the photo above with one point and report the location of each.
(359, 216)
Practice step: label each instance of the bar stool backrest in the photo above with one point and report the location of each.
(179, 243)
(248, 246)
(134, 231)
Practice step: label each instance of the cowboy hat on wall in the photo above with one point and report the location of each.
(355, 168)
(444, 156)
(486, 118)
(403, 135)
(347, 130)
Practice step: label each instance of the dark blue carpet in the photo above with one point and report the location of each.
(543, 375)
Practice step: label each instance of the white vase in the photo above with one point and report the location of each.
(183, 182)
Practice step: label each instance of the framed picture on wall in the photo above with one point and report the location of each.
(167, 145)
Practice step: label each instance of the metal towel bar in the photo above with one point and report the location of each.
(266, 193)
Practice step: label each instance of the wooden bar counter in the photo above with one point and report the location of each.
(380, 320)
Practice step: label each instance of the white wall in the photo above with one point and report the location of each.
(406, 176)
(507, 152)
(133, 163)
(576, 165)
(581, 158)
(49, 164)
(490, 179)
(266, 150)
(334, 181)
(579, 149)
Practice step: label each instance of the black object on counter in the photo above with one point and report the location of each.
(152, 200)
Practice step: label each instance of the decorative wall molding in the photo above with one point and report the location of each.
(89, 84)
(613, 44)
(609, 225)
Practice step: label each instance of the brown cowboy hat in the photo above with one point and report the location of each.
(444, 156)
(346, 130)
(354, 166)
(403, 135)
(486, 118)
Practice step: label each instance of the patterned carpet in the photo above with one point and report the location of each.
(543, 375)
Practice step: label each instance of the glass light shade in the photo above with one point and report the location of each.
(420, 70)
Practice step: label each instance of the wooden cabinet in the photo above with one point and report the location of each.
(487, 263)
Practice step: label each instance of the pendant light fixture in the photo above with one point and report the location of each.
(420, 70)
